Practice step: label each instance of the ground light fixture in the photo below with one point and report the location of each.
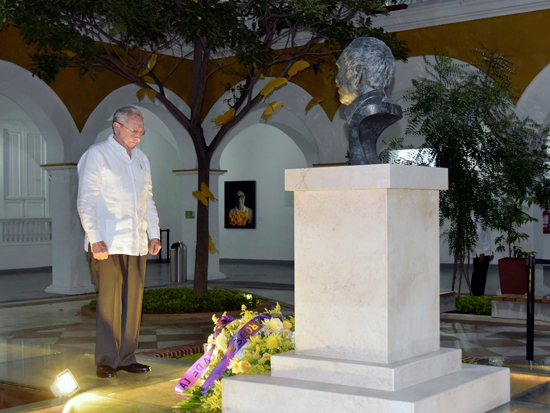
(64, 385)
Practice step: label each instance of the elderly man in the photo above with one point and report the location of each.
(116, 207)
(365, 70)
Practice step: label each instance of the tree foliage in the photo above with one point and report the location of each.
(144, 41)
(495, 160)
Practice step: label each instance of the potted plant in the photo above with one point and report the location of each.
(512, 270)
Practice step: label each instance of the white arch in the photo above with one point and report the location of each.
(321, 140)
(535, 100)
(167, 126)
(44, 107)
(284, 120)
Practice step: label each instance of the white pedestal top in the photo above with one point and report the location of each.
(366, 177)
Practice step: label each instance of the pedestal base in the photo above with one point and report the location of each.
(376, 376)
(472, 389)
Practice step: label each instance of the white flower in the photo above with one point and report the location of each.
(273, 324)
(240, 354)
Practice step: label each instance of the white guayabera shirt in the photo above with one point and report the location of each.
(484, 243)
(115, 198)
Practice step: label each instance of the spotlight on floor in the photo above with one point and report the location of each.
(64, 385)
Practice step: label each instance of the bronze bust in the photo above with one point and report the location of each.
(365, 70)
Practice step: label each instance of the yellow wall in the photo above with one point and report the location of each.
(522, 36)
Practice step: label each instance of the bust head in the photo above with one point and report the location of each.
(366, 64)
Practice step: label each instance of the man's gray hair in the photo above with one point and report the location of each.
(373, 57)
(121, 114)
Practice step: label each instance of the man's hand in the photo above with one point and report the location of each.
(100, 250)
(154, 246)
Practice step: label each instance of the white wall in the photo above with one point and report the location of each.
(16, 256)
(261, 153)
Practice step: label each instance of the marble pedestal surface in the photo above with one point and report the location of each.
(367, 302)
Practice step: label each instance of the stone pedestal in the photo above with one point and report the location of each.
(367, 303)
(70, 270)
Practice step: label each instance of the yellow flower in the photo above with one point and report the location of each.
(276, 310)
(287, 324)
(273, 341)
(265, 357)
(238, 218)
(234, 365)
(244, 366)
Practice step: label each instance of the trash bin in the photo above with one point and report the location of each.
(178, 262)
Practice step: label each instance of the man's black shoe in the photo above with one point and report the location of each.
(135, 368)
(105, 372)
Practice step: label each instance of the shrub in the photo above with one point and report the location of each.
(184, 300)
(480, 305)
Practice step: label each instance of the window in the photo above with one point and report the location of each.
(24, 190)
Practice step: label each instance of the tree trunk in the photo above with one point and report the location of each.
(468, 275)
(200, 284)
(455, 267)
(460, 279)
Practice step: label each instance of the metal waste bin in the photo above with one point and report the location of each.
(178, 262)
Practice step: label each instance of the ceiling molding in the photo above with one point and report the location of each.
(435, 13)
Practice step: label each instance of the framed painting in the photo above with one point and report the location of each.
(240, 204)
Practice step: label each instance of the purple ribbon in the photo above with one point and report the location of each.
(250, 329)
(197, 369)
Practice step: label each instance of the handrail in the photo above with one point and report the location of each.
(25, 230)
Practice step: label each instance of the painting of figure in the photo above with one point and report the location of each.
(240, 204)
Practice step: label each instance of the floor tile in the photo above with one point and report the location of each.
(180, 337)
(75, 340)
(166, 344)
(172, 331)
(486, 343)
(78, 333)
(517, 351)
(147, 345)
(148, 338)
(479, 352)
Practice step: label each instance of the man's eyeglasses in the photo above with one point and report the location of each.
(134, 132)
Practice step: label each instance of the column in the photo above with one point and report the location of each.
(189, 178)
(70, 271)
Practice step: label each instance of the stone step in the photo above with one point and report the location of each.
(391, 376)
(473, 389)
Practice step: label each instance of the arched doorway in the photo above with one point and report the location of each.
(260, 153)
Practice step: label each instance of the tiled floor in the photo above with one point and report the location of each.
(482, 341)
(61, 323)
(38, 331)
